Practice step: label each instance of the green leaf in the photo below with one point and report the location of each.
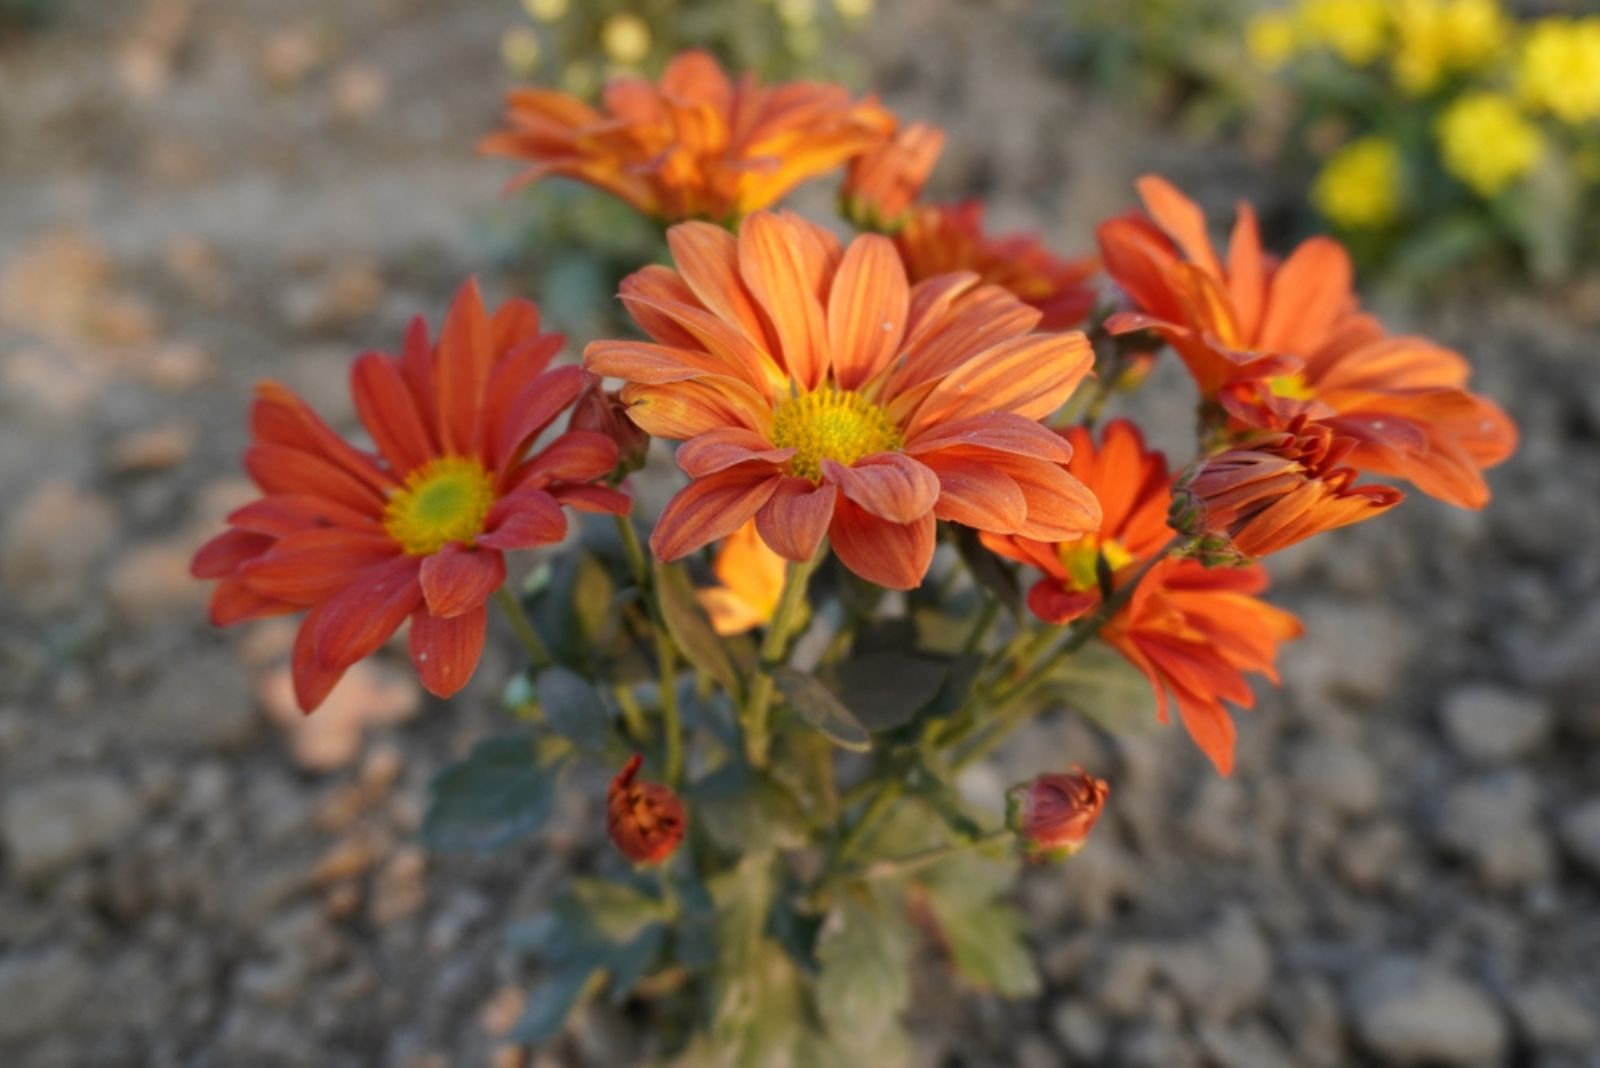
(888, 689)
(817, 705)
(987, 948)
(548, 1008)
(499, 793)
(573, 709)
(744, 812)
(633, 961)
(593, 594)
(864, 983)
(618, 911)
(1100, 683)
(690, 628)
(989, 571)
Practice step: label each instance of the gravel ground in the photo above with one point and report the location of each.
(1404, 871)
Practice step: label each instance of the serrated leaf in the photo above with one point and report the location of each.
(551, 1003)
(499, 793)
(886, 690)
(816, 704)
(572, 708)
(690, 628)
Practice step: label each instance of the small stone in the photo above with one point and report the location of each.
(1494, 822)
(151, 582)
(358, 91)
(1035, 1051)
(1487, 723)
(1554, 1016)
(1413, 1013)
(1580, 833)
(370, 694)
(1125, 980)
(1080, 1030)
(51, 544)
(151, 449)
(1224, 972)
(206, 706)
(401, 886)
(176, 367)
(57, 821)
(1340, 634)
(1336, 775)
(41, 991)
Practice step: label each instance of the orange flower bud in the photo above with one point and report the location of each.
(603, 412)
(645, 819)
(1053, 814)
(884, 181)
(1279, 489)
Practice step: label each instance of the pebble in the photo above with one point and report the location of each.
(1336, 775)
(1080, 1030)
(51, 544)
(1222, 973)
(1580, 833)
(1487, 724)
(1415, 1013)
(1494, 821)
(155, 448)
(50, 824)
(150, 583)
(1553, 1016)
(41, 991)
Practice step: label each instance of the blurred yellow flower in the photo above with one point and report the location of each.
(1560, 68)
(626, 39)
(1360, 186)
(1436, 36)
(797, 13)
(1355, 30)
(546, 10)
(853, 9)
(751, 577)
(1487, 142)
(1270, 38)
(519, 49)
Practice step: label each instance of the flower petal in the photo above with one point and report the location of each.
(786, 282)
(222, 555)
(720, 449)
(310, 565)
(524, 520)
(890, 485)
(794, 520)
(461, 368)
(576, 456)
(445, 651)
(390, 413)
(234, 602)
(1307, 294)
(710, 508)
(456, 579)
(976, 495)
(867, 309)
(602, 499)
(358, 619)
(1002, 432)
(537, 404)
(312, 678)
(893, 555)
(1183, 221)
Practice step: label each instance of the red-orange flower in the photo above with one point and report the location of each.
(883, 183)
(1054, 814)
(820, 393)
(1279, 489)
(1193, 631)
(698, 146)
(939, 238)
(1274, 342)
(645, 819)
(417, 530)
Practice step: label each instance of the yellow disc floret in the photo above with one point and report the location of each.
(1081, 558)
(444, 500)
(831, 424)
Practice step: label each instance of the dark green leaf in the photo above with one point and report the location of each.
(817, 705)
(550, 1004)
(618, 911)
(742, 811)
(633, 961)
(497, 794)
(573, 709)
(989, 571)
(690, 628)
(886, 690)
(593, 593)
(1100, 683)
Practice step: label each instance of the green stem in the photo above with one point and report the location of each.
(876, 811)
(632, 714)
(671, 717)
(980, 629)
(637, 561)
(522, 626)
(773, 647)
(894, 867)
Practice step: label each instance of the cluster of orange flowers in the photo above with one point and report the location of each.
(856, 392)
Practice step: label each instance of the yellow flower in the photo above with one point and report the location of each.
(1270, 38)
(1355, 30)
(1436, 36)
(751, 577)
(625, 38)
(546, 10)
(853, 9)
(1360, 186)
(1487, 142)
(1560, 68)
(519, 48)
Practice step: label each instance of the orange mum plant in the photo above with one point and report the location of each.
(882, 440)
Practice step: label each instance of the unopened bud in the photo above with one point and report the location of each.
(883, 182)
(1054, 814)
(645, 819)
(603, 412)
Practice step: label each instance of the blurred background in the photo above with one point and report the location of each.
(1405, 869)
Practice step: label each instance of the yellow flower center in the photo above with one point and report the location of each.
(831, 424)
(1081, 557)
(1290, 387)
(444, 500)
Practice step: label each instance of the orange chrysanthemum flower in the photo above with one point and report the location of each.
(417, 530)
(1279, 489)
(1277, 342)
(749, 583)
(698, 146)
(939, 238)
(1193, 631)
(819, 392)
(882, 184)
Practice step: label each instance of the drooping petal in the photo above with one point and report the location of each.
(313, 678)
(446, 650)
(358, 619)
(309, 565)
(893, 555)
(524, 521)
(889, 485)
(222, 555)
(456, 579)
(976, 495)
(717, 450)
(710, 508)
(796, 517)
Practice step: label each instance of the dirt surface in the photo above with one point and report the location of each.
(1405, 869)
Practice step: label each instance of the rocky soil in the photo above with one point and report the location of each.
(1404, 871)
